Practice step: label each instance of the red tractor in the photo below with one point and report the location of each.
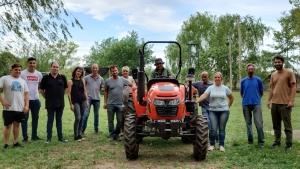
(165, 109)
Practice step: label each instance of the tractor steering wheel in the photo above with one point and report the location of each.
(162, 76)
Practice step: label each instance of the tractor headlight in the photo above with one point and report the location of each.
(158, 102)
(174, 102)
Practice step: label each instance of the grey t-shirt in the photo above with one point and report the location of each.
(218, 97)
(115, 90)
(93, 86)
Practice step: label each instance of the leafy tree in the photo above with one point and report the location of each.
(124, 52)
(40, 19)
(6, 60)
(212, 34)
(288, 38)
(63, 52)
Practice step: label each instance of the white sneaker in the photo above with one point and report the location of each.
(222, 149)
(211, 148)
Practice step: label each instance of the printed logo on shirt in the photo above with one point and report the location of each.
(32, 78)
(16, 86)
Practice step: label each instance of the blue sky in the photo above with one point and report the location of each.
(158, 19)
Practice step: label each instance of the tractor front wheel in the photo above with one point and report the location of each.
(201, 138)
(131, 142)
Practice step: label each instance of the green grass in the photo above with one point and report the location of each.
(98, 152)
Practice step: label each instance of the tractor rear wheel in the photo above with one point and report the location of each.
(131, 142)
(201, 138)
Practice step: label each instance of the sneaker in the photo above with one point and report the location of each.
(121, 134)
(76, 138)
(275, 145)
(81, 137)
(62, 140)
(211, 148)
(17, 144)
(25, 140)
(261, 146)
(249, 144)
(222, 149)
(48, 140)
(118, 138)
(97, 132)
(35, 138)
(5, 147)
(111, 138)
(288, 148)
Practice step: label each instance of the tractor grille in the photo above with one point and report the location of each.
(166, 110)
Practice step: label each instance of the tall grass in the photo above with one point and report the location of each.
(97, 152)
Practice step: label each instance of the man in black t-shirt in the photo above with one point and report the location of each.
(53, 87)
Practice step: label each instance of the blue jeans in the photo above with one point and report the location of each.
(111, 110)
(79, 109)
(34, 107)
(96, 105)
(218, 118)
(58, 112)
(205, 112)
(258, 121)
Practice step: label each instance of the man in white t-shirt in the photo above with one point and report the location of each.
(33, 79)
(15, 103)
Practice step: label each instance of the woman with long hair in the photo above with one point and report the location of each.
(78, 100)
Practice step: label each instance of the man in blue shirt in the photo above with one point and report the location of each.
(251, 90)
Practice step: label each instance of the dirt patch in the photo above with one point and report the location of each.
(296, 134)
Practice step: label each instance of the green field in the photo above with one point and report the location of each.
(97, 152)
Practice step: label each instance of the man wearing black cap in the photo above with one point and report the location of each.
(160, 71)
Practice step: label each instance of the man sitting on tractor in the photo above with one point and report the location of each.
(160, 71)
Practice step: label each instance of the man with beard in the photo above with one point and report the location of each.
(113, 101)
(53, 87)
(282, 94)
(251, 90)
(94, 84)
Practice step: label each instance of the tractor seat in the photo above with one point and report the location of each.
(153, 81)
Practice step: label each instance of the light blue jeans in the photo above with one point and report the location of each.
(113, 109)
(218, 118)
(205, 112)
(258, 121)
(96, 105)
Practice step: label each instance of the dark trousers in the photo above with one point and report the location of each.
(280, 112)
(34, 107)
(113, 109)
(57, 112)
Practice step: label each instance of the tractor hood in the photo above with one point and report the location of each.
(164, 90)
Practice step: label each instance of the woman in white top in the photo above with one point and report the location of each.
(219, 109)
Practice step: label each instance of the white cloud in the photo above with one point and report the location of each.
(162, 16)
(123, 35)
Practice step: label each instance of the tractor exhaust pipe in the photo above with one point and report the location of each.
(141, 81)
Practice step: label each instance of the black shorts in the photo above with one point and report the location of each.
(10, 116)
